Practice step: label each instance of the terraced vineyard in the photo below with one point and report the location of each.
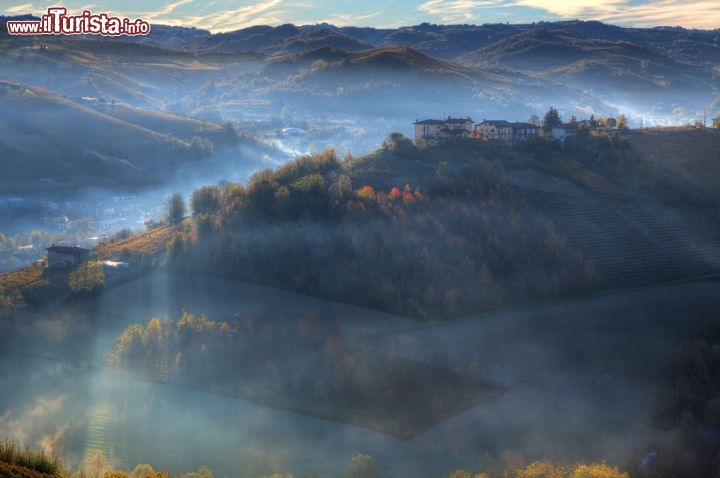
(37, 284)
(28, 277)
(635, 243)
(151, 242)
(693, 155)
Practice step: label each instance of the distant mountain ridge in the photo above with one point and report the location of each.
(325, 78)
(447, 42)
(606, 61)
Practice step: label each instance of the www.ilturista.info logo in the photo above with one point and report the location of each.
(58, 22)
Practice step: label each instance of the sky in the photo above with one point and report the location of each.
(228, 15)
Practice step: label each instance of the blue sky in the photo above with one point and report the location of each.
(226, 15)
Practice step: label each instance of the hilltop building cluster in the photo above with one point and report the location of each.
(434, 131)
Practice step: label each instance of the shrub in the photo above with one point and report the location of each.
(35, 460)
(87, 278)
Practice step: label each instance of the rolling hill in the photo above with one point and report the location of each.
(71, 143)
(598, 63)
(141, 75)
(392, 60)
(280, 40)
(395, 82)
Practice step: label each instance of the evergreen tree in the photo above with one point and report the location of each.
(551, 120)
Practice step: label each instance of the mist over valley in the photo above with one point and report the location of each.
(317, 250)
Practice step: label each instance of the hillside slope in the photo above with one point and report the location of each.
(72, 144)
(134, 73)
(16, 462)
(68, 144)
(598, 63)
(690, 156)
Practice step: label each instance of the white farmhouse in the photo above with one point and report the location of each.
(495, 129)
(563, 131)
(434, 131)
(506, 131)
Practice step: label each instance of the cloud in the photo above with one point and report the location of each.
(45, 406)
(226, 15)
(688, 13)
(164, 15)
(167, 9)
(458, 11)
(576, 8)
(25, 8)
(350, 19)
(170, 7)
(269, 12)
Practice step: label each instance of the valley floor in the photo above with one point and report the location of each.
(579, 379)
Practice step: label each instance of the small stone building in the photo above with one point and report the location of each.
(66, 256)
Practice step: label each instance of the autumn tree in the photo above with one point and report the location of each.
(142, 470)
(175, 208)
(260, 193)
(204, 225)
(308, 195)
(399, 144)
(205, 200)
(341, 190)
(116, 474)
(597, 470)
(622, 123)
(87, 278)
(607, 122)
(96, 467)
(176, 246)
(542, 469)
(460, 473)
(203, 472)
(366, 193)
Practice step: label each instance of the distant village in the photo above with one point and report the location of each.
(83, 222)
(102, 218)
(106, 216)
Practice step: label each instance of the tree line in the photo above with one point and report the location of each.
(456, 242)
